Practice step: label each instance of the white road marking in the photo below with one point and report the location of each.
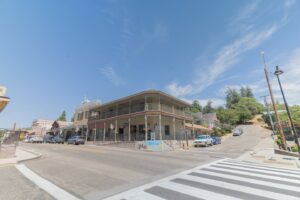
(235, 187)
(259, 170)
(248, 180)
(196, 192)
(262, 167)
(155, 183)
(46, 185)
(257, 175)
(140, 195)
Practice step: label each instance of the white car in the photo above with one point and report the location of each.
(237, 132)
(203, 140)
(36, 139)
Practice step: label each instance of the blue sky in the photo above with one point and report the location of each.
(53, 53)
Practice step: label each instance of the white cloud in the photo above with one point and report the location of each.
(179, 91)
(289, 3)
(110, 74)
(216, 102)
(226, 58)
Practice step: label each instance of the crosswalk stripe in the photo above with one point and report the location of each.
(166, 193)
(137, 196)
(204, 194)
(280, 174)
(268, 187)
(230, 186)
(255, 174)
(261, 167)
(254, 181)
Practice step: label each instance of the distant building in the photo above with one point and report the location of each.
(3, 99)
(209, 120)
(81, 115)
(41, 126)
(58, 127)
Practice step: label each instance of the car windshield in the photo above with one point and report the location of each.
(201, 137)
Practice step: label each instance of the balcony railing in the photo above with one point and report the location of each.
(166, 108)
(140, 108)
(152, 106)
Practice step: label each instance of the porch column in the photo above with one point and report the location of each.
(146, 105)
(129, 129)
(87, 132)
(159, 106)
(116, 128)
(146, 127)
(174, 129)
(193, 130)
(95, 134)
(104, 131)
(159, 121)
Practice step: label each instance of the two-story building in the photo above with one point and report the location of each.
(148, 115)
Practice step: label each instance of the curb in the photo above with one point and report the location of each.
(37, 155)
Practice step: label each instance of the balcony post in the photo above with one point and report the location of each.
(129, 129)
(146, 105)
(159, 106)
(116, 128)
(104, 131)
(174, 128)
(160, 134)
(146, 128)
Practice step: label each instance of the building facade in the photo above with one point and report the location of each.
(41, 126)
(3, 99)
(81, 115)
(148, 115)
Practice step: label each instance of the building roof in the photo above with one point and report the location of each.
(179, 101)
(63, 123)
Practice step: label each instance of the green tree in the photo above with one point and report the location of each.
(208, 107)
(243, 92)
(196, 107)
(227, 116)
(232, 98)
(63, 116)
(249, 92)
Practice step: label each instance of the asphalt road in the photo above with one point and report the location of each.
(95, 172)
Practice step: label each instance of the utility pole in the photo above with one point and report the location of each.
(268, 111)
(282, 137)
(294, 131)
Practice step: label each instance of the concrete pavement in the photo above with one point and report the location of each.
(96, 172)
(224, 179)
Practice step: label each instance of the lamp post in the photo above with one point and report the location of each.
(278, 122)
(277, 73)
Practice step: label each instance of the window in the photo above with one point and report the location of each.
(167, 130)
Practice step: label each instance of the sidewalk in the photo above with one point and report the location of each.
(263, 153)
(21, 155)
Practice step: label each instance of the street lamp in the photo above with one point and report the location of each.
(277, 73)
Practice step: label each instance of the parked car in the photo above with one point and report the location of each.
(76, 140)
(203, 140)
(216, 140)
(27, 140)
(48, 139)
(36, 139)
(237, 132)
(58, 140)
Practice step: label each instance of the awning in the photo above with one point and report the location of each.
(3, 102)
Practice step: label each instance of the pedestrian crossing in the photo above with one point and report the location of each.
(224, 179)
